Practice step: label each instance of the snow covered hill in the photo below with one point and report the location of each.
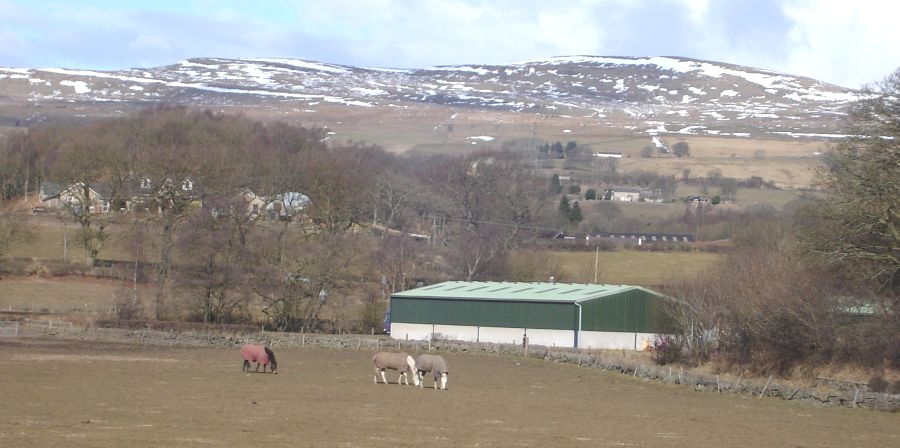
(660, 94)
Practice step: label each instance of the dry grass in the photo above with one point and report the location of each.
(66, 295)
(112, 395)
(785, 172)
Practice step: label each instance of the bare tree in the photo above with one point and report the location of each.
(295, 291)
(394, 193)
(214, 243)
(479, 254)
(93, 169)
(400, 259)
(860, 217)
(12, 228)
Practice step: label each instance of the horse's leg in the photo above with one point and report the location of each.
(257, 367)
(383, 377)
(246, 366)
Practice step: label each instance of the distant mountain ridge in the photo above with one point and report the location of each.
(661, 94)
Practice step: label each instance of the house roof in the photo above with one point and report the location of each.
(50, 189)
(515, 291)
(625, 190)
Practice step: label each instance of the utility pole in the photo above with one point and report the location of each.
(596, 263)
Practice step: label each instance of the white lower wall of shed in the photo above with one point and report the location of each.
(615, 340)
(550, 338)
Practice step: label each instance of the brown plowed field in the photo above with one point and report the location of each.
(88, 394)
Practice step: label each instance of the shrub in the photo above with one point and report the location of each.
(878, 384)
(666, 350)
(38, 268)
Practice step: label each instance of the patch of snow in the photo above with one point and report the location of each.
(138, 88)
(696, 91)
(63, 71)
(567, 131)
(460, 68)
(22, 71)
(79, 86)
(728, 92)
(800, 135)
(327, 99)
(298, 63)
(370, 92)
(690, 129)
(484, 138)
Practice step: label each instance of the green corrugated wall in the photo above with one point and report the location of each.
(630, 311)
(635, 310)
(553, 316)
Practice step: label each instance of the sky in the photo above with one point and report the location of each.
(848, 43)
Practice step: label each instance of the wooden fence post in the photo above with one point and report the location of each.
(766, 387)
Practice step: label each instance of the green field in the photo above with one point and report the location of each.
(627, 267)
(776, 198)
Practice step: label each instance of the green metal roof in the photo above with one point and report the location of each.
(514, 291)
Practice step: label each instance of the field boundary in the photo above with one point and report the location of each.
(614, 361)
(9, 328)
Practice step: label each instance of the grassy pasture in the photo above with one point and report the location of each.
(91, 394)
(627, 267)
(49, 236)
(785, 172)
(776, 198)
(646, 212)
(69, 295)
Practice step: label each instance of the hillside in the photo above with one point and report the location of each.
(665, 94)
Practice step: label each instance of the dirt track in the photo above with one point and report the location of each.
(60, 393)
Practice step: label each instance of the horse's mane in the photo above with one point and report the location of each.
(270, 354)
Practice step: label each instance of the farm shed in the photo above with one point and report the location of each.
(551, 314)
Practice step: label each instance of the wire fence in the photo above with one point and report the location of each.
(31, 327)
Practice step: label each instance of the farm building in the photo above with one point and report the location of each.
(551, 314)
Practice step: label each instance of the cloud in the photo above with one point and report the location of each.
(847, 43)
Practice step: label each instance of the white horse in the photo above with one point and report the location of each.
(434, 364)
(401, 362)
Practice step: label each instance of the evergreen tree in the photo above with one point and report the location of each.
(555, 185)
(575, 213)
(564, 207)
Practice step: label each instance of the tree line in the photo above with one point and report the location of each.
(211, 257)
(821, 285)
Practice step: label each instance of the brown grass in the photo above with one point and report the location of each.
(67, 295)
